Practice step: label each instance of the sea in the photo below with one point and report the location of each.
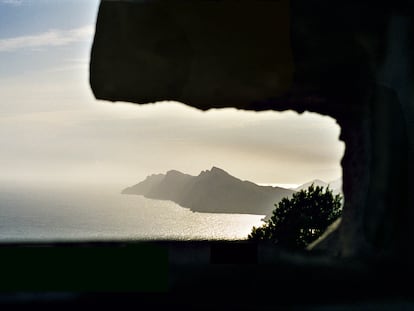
(91, 212)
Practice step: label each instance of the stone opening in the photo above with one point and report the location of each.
(226, 162)
(334, 63)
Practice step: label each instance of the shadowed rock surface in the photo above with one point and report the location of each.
(213, 191)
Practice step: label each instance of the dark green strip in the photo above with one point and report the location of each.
(142, 268)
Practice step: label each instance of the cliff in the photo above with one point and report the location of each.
(213, 191)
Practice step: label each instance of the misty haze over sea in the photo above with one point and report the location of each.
(50, 212)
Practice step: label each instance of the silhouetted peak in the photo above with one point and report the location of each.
(176, 176)
(217, 170)
(318, 181)
(155, 176)
(336, 185)
(173, 173)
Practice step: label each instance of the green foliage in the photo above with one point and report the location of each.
(298, 221)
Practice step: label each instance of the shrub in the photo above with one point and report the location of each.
(300, 220)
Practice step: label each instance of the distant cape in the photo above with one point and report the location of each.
(212, 191)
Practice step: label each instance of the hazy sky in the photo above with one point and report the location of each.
(52, 129)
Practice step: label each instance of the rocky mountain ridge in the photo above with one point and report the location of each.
(213, 191)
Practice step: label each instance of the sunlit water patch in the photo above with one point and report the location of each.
(85, 213)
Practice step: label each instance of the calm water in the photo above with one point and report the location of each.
(38, 213)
